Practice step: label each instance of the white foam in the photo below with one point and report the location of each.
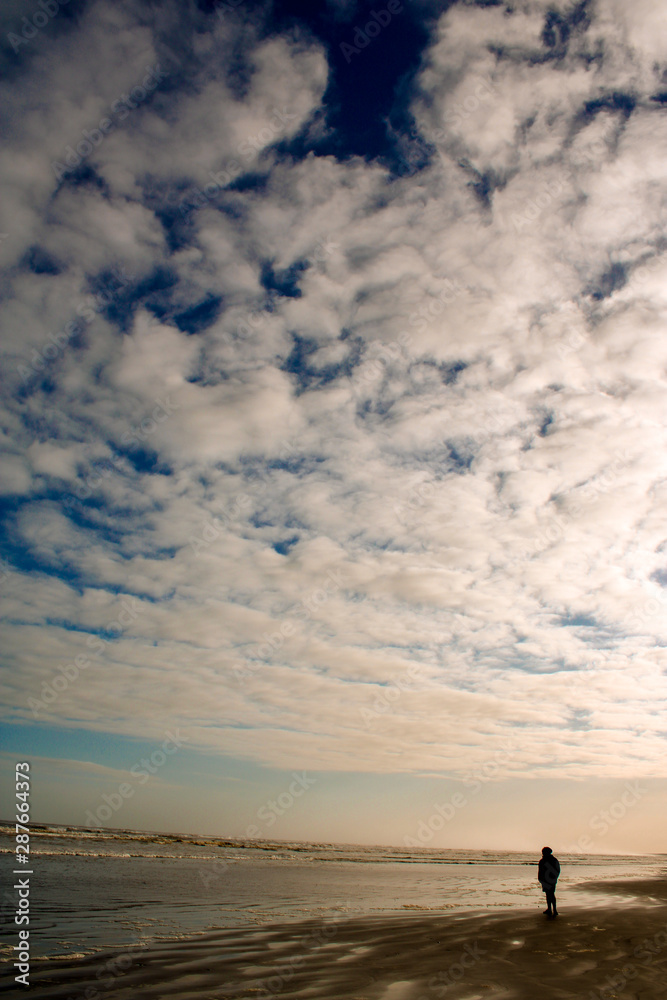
(404, 989)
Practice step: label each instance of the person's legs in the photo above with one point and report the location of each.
(551, 903)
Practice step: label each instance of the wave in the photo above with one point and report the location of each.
(51, 839)
(64, 853)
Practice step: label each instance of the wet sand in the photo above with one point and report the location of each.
(588, 953)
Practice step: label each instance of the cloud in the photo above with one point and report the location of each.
(443, 389)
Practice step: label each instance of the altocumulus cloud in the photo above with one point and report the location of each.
(525, 408)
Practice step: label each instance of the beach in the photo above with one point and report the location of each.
(588, 952)
(121, 913)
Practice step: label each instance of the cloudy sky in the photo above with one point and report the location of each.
(333, 409)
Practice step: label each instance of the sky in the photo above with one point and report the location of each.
(333, 419)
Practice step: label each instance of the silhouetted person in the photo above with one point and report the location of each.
(548, 871)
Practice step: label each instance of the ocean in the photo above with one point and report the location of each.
(92, 891)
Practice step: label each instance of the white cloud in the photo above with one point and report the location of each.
(525, 401)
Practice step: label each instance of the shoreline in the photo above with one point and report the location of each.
(594, 953)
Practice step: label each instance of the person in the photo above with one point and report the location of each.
(548, 871)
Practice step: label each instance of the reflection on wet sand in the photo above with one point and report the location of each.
(592, 953)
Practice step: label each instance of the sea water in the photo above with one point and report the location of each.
(117, 888)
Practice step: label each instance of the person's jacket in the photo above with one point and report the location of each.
(548, 870)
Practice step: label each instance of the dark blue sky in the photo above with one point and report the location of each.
(369, 88)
